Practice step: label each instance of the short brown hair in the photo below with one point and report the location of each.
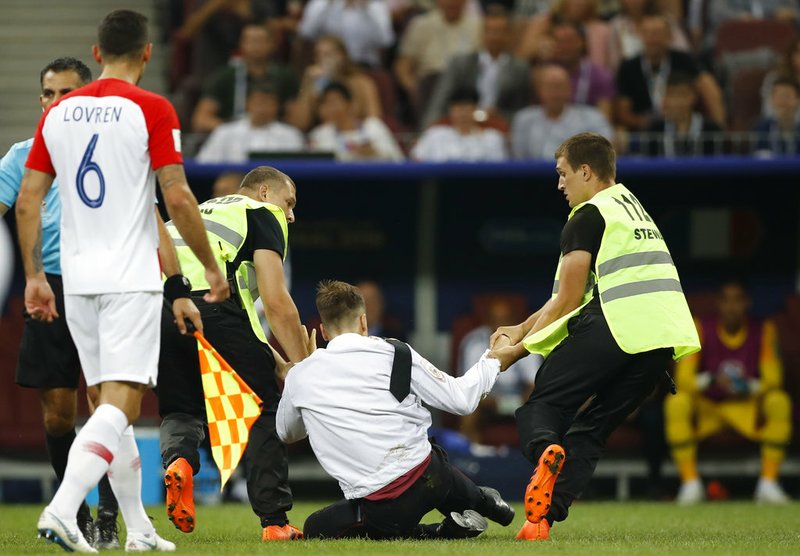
(122, 34)
(593, 150)
(786, 81)
(338, 302)
(265, 175)
(496, 10)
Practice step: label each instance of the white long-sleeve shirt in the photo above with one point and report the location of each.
(365, 27)
(234, 141)
(441, 143)
(362, 436)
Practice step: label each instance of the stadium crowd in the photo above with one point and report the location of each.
(479, 80)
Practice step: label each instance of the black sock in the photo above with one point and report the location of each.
(108, 502)
(58, 450)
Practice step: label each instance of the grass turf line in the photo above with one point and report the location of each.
(593, 528)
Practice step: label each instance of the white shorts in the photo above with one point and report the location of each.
(118, 335)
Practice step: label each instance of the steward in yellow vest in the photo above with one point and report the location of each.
(248, 233)
(616, 318)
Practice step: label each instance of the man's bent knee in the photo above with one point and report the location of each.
(58, 410)
(777, 404)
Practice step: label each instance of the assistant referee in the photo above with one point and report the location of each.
(616, 317)
(249, 232)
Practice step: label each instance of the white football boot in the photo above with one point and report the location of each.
(64, 533)
(691, 492)
(141, 542)
(770, 492)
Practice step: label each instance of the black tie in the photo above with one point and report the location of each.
(400, 383)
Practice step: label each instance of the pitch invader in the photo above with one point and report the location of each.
(109, 240)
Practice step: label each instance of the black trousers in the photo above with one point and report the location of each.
(587, 364)
(182, 406)
(441, 487)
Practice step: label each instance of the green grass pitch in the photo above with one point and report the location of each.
(593, 528)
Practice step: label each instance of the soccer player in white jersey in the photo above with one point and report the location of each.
(105, 141)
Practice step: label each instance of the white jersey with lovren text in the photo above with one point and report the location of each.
(104, 141)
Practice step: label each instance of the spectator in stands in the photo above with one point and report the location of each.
(226, 91)
(591, 84)
(258, 132)
(227, 183)
(537, 131)
(380, 323)
(526, 9)
(626, 42)
(788, 66)
(346, 135)
(214, 27)
(734, 380)
(681, 131)
(430, 42)
(500, 77)
(365, 26)
(332, 63)
(512, 388)
(780, 134)
(536, 42)
(720, 11)
(461, 138)
(642, 81)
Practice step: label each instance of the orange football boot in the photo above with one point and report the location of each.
(282, 533)
(180, 495)
(534, 531)
(539, 493)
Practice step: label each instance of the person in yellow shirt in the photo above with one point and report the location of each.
(734, 382)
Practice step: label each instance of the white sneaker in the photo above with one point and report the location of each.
(691, 493)
(470, 524)
(770, 492)
(64, 533)
(146, 542)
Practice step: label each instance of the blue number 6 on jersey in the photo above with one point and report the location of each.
(88, 165)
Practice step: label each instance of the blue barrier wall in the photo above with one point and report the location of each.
(496, 226)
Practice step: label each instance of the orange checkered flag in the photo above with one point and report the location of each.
(231, 407)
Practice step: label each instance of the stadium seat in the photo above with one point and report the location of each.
(21, 427)
(387, 94)
(788, 324)
(745, 103)
(738, 35)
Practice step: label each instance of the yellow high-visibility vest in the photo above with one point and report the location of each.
(640, 292)
(225, 220)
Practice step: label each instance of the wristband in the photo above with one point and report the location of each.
(176, 287)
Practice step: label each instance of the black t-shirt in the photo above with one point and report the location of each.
(634, 84)
(263, 232)
(584, 232)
